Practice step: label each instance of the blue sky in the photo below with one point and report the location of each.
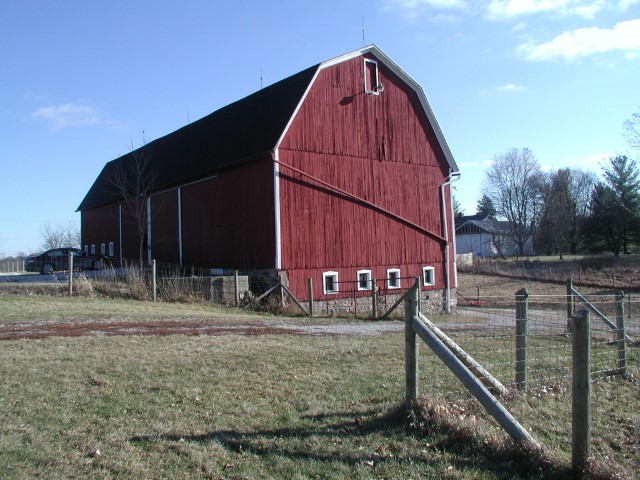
(83, 81)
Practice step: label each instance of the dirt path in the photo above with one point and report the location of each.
(37, 330)
(491, 288)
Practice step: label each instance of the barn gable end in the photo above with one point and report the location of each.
(360, 179)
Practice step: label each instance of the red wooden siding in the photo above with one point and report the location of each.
(165, 244)
(100, 225)
(228, 221)
(131, 237)
(377, 147)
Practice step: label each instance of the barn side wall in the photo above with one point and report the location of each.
(165, 243)
(379, 148)
(100, 225)
(228, 221)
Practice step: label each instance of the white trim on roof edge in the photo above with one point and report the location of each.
(376, 52)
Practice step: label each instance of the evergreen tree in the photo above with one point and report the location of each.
(615, 206)
(623, 176)
(603, 228)
(485, 207)
(458, 211)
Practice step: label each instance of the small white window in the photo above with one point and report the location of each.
(428, 276)
(93, 249)
(364, 279)
(86, 249)
(371, 79)
(393, 278)
(111, 249)
(103, 249)
(330, 282)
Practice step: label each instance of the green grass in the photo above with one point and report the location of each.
(264, 406)
(45, 307)
(19, 308)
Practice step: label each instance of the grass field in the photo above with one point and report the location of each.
(261, 406)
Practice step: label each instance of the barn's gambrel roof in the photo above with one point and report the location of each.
(238, 133)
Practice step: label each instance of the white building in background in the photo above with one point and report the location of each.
(484, 237)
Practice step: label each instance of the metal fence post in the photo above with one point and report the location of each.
(154, 280)
(621, 336)
(374, 298)
(411, 344)
(236, 289)
(310, 285)
(70, 262)
(522, 304)
(581, 389)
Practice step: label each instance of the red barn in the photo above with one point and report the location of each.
(339, 173)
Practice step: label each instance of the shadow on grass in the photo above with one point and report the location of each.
(448, 445)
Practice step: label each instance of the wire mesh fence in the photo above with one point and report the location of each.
(488, 333)
(12, 265)
(598, 270)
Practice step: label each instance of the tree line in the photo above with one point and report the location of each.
(569, 210)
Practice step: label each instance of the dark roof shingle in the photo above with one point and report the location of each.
(235, 133)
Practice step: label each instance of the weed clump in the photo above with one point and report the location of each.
(460, 430)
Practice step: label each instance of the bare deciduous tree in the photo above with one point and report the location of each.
(60, 235)
(631, 130)
(134, 179)
(514, 182)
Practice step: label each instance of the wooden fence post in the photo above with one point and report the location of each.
(374, 298)
(154, 280)
(581, 389)
(621, 336)
(310, 285)
(70, 263)
(522, 304)
(411, 344)
(569, 303)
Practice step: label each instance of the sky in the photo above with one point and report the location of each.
(83, 82)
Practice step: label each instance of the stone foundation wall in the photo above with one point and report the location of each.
(362, 307)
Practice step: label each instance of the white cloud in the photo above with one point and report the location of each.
(66, 115)
(506, 9)
(441, 4)
(415, 8)
(511, 87)
(625, 36)
(625, 4)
